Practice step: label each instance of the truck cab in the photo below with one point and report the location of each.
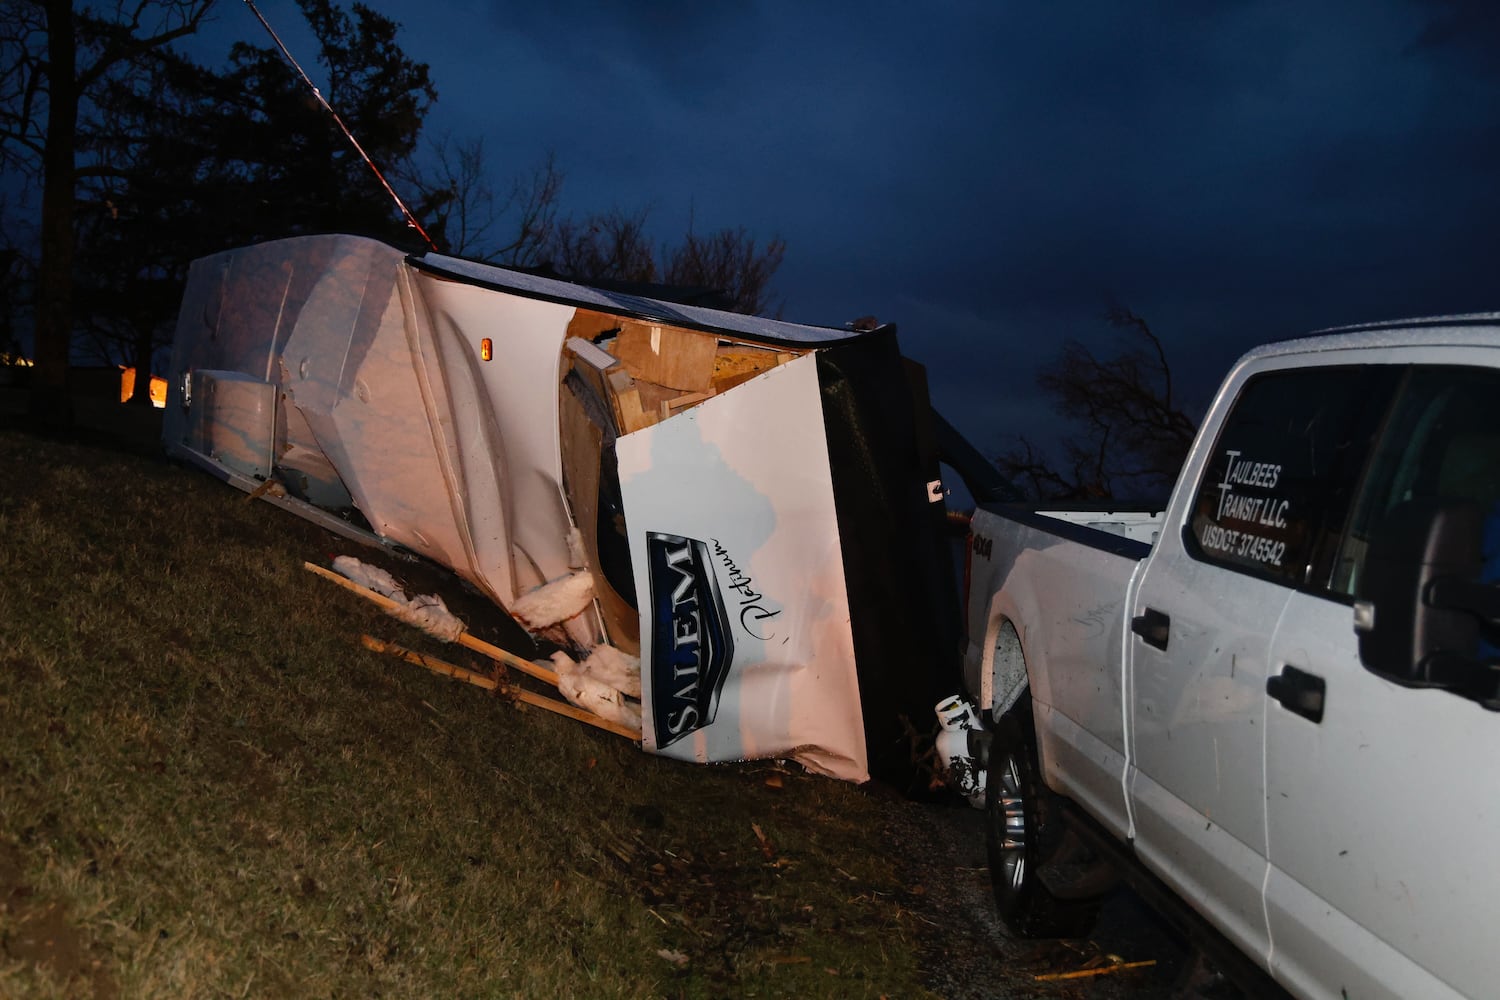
(1282, 706)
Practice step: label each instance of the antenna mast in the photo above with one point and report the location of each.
(411, 220)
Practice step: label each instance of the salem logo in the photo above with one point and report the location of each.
(691, 649)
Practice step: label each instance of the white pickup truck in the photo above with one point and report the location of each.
(1275, 699)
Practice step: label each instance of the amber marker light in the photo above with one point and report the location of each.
(486, 349)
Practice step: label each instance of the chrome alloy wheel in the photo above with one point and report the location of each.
(1012, 808)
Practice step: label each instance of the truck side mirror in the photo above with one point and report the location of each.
(1420, 605)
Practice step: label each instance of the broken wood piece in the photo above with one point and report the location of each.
(477, 679)
(653, 395)
(270, 486)
(630, 415)
(727, 382)
(464, 639)
(670, 406)
(1101, 971)
(434, 664)
(667, 355)
(739, 359)
(505, 656)
(589, 325)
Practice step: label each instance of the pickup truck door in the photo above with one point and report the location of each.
(1196, 725)
(1238, 538)
(1383, 814)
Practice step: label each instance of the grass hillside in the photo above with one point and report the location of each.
(209, 788)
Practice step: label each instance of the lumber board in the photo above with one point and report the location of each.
(630, 415)
(682, 402)
(465, 639)
(668, 355)
(654, 398)
(590, 324)
(439, 666)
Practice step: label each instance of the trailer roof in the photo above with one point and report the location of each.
(635, 306)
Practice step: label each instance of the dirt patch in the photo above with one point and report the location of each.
(21, 670)
(37, 931)
(720, 901)
(966, 952)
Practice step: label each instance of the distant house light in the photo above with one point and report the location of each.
(158, 387)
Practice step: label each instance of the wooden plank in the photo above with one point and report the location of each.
(729, 381)
(682, 402)
(655, 397)
(464, 639)
(477, 679)
(737, 363)
(667, 355)
(630, 415)
(733, 359)
(590, 325)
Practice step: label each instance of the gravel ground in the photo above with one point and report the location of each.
(969, 955)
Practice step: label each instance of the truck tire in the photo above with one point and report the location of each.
(1023, 833)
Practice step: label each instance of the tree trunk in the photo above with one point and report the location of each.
(50, 402)
(140, 358)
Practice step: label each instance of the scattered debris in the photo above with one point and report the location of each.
(554, 602)
(426, 612)
(593, 694)
(616, 668)
(765, 843)
(1115, 965)
(515, 691)
(537, 670)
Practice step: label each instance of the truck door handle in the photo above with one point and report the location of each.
(1298, 691)
(1153, 627)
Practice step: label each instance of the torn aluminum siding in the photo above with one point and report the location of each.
(512, 427)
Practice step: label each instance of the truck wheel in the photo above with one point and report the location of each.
(1023, 834)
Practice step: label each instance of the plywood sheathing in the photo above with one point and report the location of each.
(592, 325)
(649, 372)
(631, 413)
(736, 363)
(667, 356)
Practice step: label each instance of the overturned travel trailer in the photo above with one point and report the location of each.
(749, 499)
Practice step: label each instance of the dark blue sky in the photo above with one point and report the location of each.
(990, 176)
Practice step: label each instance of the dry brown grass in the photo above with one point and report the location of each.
(208, 788)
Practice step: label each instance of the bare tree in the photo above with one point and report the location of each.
(612, 246)
(15, 281)
(526, 228)
(728, 260)
(1131, 433)
(55, 59)
(471, 219)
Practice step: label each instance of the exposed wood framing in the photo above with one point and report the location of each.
(464, 639)
(477, 679)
